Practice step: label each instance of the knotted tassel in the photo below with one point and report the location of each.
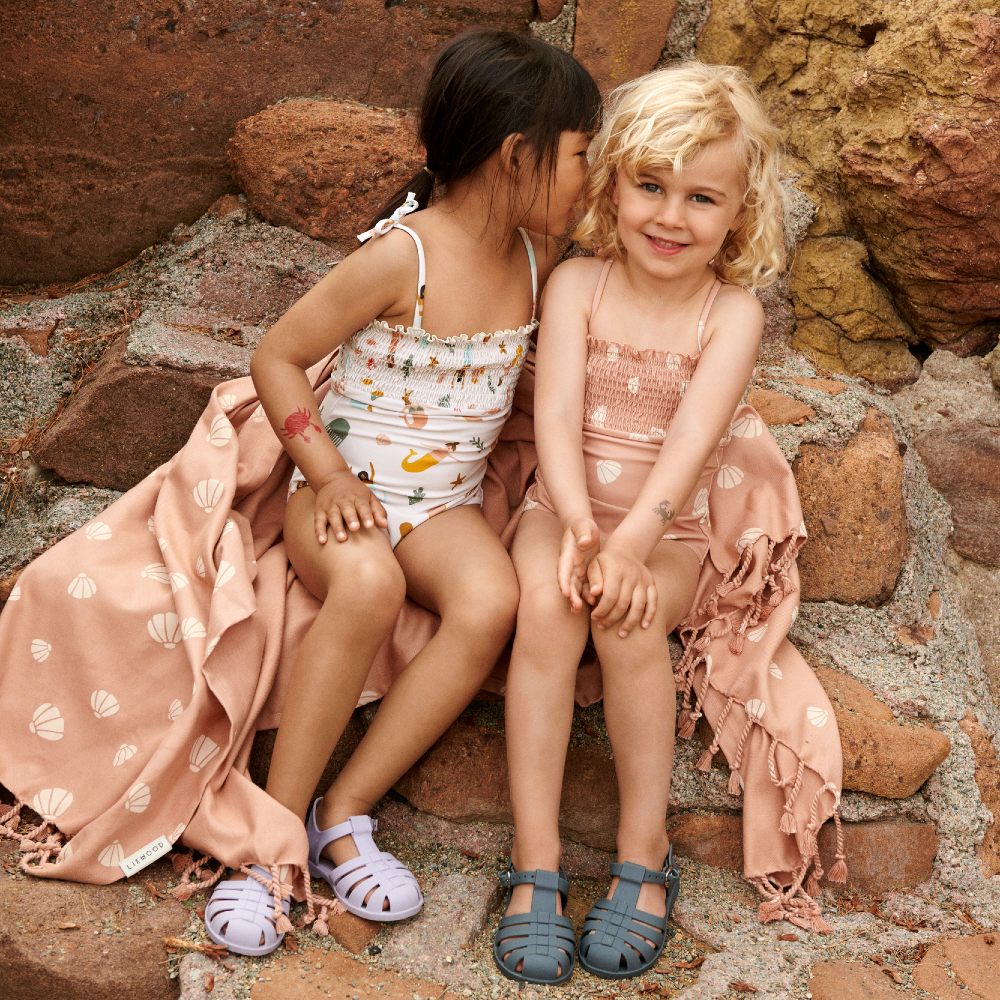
(186, 889)
(687, 722)
(705, 760)
(771, 909)
(734, 782)
(787, 824)
(838, 873)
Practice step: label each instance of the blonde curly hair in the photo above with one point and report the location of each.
(667, 117)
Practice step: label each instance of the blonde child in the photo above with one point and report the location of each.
(385, 498)
(644, 354)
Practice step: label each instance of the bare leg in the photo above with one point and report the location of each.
(455, 566)
(362, 589)
(548, 644)
(639, 709)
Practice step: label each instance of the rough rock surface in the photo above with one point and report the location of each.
(324, 167)
(116, 115)
(963, 462)
(55, 943)
(618, 41)
(961, 968)
(852, 500)
(890, 116)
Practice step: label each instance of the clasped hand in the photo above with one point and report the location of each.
(344, 503)
(614, 581)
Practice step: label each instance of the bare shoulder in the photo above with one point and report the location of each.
(736, 311)
(578, 275)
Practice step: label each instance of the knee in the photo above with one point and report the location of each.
(374, 587)
(638, 652)
(541, 608)
(486, 609)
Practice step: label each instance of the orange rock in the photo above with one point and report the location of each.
(315, 974)
(620, 39)
(854, 980)
(973, 963)
(988, 780)
(324, 167)
(847, 694)
(828, 385)
(777, 408)
(352, 932)
(885, 759)
(852, 500)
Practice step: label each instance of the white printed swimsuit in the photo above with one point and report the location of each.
(416, 416)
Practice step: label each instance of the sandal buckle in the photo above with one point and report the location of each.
(504, 878)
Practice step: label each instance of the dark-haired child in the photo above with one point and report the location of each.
(433, 320)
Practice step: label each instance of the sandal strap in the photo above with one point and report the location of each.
(353, 826)
(627, 871)
(540, 878)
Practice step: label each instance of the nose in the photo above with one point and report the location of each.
(670, 212)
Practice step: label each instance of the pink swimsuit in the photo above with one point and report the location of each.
(629, 400)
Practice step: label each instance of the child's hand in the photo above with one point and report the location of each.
(580, 543)
(345, 504)
(623, 589)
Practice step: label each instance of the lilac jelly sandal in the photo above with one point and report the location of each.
(365, 883)
(240, 915)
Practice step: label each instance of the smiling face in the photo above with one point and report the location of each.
(673, 224)
(553, 195)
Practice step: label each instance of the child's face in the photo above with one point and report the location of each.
(551, 208)
(675, 223)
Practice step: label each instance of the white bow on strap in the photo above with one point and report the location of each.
(384, 225)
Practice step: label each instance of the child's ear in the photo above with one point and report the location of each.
(512, 153)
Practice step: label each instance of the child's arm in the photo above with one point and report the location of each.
(367, 284)
(722, 375)
(560, 372)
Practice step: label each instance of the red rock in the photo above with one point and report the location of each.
(778, 408)
(315, 974)
(852, 500)
(854, 980)
(618, 41)
(92, 175)
(963, 462)
(352, 932)
(712, 838)
(965, 968)
(324, 167)
(94, 439)
(113, 950)
(882, 855)
(847, 694)
(549, 10)
(988, 780)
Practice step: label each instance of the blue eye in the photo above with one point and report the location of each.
(650, 188)
(702, 199)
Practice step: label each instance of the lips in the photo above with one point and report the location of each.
(664, 247)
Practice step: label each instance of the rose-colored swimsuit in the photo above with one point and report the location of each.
(630, 398)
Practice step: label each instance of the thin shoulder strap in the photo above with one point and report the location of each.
(418, 309)
(534, 270)
(706, 309)
(599, 290)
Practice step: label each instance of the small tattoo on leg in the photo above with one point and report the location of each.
(664, 511)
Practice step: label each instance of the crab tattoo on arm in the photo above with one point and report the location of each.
(665, 512)
(298, 423)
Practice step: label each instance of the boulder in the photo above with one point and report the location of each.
(852, 500)
(549, 10)
(619, 41)
(122, 110)
(963, 462)
(324, 167)
(890, 117)
(62, 939)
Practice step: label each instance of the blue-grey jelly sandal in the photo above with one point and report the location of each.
(619, 940)
(541, 941)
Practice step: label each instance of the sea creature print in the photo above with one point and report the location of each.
(428, 460)
(298, 423)
(367, 477)
(416, 496)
